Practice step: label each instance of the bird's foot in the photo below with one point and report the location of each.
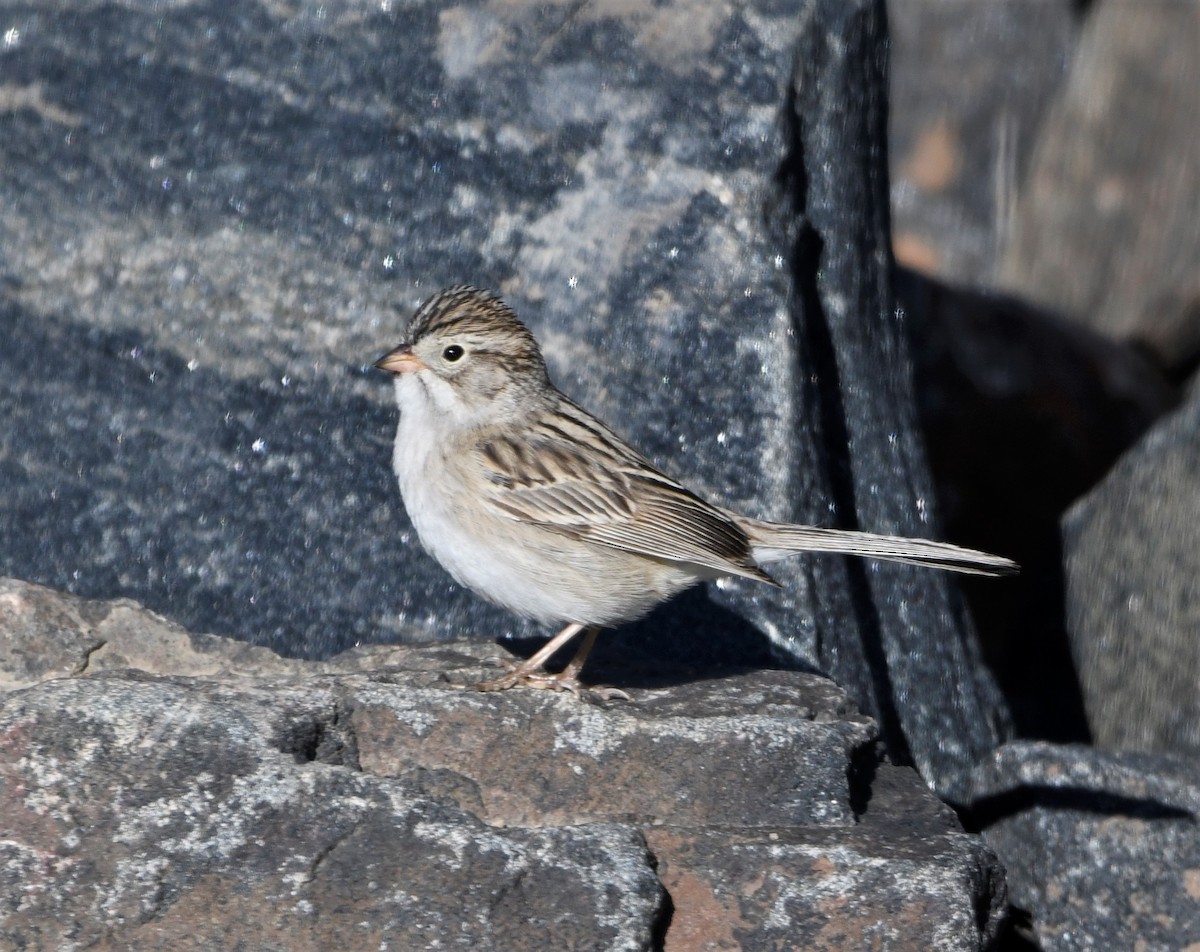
(565, 680)
(530, 672)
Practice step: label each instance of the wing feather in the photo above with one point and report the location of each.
(572, 475)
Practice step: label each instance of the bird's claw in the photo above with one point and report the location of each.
(606, 692)
(551, 682)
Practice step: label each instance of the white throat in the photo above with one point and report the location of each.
(426, 396)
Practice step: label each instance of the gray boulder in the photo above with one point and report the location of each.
(1101, 848)
(163, 790)
(1132, 553)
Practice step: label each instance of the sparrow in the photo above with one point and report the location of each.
(537, 506)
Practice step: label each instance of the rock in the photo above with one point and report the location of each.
(810, 890)
(372, 799)
(1105, 225)
(215, 221)
(764, 749)
(47, 636)
(1023, 412)
(970, 85)
(859, 394)
(156, 813)
(1132, 551)
(1100, 847)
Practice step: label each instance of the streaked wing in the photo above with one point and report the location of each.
(570, 474)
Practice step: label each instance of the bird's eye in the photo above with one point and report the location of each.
(452, 353)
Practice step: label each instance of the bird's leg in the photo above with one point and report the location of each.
(531, 674)
(570, 674)
(568, 677)
(530, 671)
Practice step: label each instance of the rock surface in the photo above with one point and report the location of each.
(1132, 551)
(1105, 226)
(1102, 847)
(372, 802)
(158, 814)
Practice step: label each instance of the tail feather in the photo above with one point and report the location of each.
(774, 541)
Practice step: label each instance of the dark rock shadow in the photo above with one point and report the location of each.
(690, 638)
(1022, 414)
(987, 811)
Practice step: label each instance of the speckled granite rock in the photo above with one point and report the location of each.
(214, 219)
(158, 814)
(371, 801)
(838, 888)
(1132, 553)
(1102, 848)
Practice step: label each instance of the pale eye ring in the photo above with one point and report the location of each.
(452, 353)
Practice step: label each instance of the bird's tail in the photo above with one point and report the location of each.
(773, 541)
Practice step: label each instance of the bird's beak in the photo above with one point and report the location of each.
(400, 361)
